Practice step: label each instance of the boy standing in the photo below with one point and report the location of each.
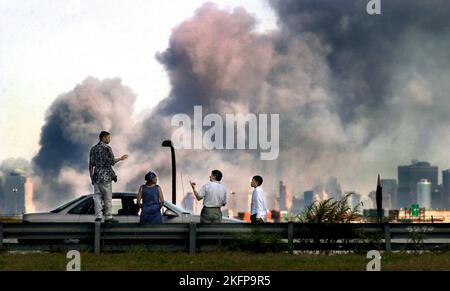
(258, 209)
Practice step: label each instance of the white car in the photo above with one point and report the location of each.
(81, 210)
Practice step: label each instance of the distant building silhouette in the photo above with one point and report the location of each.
(188, 202)
(373, 200)
(2, 195)
(355, 201)
(424, 194)
(390, 193)
(329, 189)
(436, 198)
(297, 205)
(285, 197)
(409, 177)
(17, 191)
(445, 190)
(308, 198)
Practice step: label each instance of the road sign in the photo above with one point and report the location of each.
(415, 210)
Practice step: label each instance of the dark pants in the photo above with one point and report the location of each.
(211, 215)
(254, 220)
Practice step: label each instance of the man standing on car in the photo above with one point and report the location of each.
(214, 196)
(101, 160)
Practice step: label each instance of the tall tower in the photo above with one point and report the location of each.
(445, 191)
(308, 198)
(188, 202)
(390, 190)
(14, 193)
(2, 196)
(424, 194)
(408, 179)
(282, 196)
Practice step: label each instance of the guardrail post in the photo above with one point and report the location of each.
(1, 235)
(97, 237)
(387, 237)
(192, 238)
(291, 237)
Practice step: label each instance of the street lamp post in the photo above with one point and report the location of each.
(169, 144)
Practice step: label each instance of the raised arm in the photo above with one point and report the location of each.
(122, 158)
(113, 159)
(197, 196)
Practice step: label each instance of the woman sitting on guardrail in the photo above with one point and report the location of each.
(150, 200)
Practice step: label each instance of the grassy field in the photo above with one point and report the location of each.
(231, 261)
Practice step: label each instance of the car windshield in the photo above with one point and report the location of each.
(175, 207)
(61, 208)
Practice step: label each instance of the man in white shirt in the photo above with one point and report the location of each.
(214, 196)
(258, 210)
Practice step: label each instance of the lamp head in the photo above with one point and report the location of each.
(167, 143)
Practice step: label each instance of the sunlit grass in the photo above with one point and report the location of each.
(223, 261)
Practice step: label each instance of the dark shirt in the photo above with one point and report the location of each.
(101, 157)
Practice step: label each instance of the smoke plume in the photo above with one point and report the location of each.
(357, 95)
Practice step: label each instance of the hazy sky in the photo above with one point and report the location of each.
(47, 47)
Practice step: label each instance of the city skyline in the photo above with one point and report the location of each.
(16, 192)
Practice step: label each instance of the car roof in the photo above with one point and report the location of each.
(118, 194)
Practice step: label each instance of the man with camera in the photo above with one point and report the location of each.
(101, 160)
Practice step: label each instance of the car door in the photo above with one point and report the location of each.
(86, 211)
(130, 206)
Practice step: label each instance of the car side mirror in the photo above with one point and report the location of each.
(170, 213)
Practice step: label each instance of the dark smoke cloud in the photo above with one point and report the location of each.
(73, 123)
(357, 95)
(387, 74)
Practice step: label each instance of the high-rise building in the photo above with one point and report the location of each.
(390, 189)
(424, 194)
(445, 190)
(308, 198)
(409, 177)
(2, 196)
(188, 202)
(285, 197)
(282, 196)
(436, 198)
(297, 205)
(17, 190)
(333, 189)
(373, 199)
(356, 201)
(329, 189)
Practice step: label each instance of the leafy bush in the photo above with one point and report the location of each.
(329, 211)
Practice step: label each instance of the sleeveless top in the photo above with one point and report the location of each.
(151, 211)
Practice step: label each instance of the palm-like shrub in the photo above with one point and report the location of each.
(329, 212)
(328, 219)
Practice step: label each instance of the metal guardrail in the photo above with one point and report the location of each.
(192, 237)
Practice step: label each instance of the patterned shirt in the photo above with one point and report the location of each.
(101, 157)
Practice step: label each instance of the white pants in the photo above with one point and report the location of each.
(103, 197)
